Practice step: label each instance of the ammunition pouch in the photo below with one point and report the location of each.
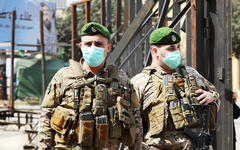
(128, 136)
(62, 121)
(123, 111)
(115, 127)
(177, 114)
(96, 114)
(183, 115)
(157, 118)
(85, 99)
(101, 131)
(86, 129)
(124, 116)
(100, 101)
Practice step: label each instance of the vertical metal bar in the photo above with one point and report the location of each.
(11, 102)
(163, 14)
(163, 8)
(87, 11)
(221, 47)
(131, 61)
(31, 119)
(176, 10)
(148, 57)
(73, 30)
(131, 10)
(103, 12)
(188, 39)
(177, 19)
(125, 26)
(125, 16)
(160, 6)
(194, 33)
(198, 26)
(139, 51)
(19, 122)
(131, 31)
(43, 54)
(228, 65)
(206, 41)
(118, 23)
(118, 18)
(109, 15)
(26, 117)
(138, 5)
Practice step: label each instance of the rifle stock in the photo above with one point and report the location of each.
(201, 137)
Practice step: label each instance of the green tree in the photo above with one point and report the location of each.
(236, 27)
(64, 27)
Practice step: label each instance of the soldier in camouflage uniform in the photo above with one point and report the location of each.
(90, 105)
(170, 93)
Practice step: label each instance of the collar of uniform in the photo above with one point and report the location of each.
(76, 67)
(156, 69)
(89, 74)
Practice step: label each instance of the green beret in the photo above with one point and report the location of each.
(94, 28)
(164, 36)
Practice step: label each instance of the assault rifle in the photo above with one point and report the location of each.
(201, 137)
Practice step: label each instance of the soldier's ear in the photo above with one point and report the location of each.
(80, 45)
(154, 50)
(109, 47)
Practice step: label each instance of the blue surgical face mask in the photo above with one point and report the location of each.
(93, 55)
(173, 59)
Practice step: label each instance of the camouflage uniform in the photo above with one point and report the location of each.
(57, 94)
(148, 88)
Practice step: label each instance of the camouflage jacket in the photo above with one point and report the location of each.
(56, 93)
(147, 86)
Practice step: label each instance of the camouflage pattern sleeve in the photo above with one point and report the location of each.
(201, 81)
(138, 123)
(45, 132)
(135, 105)
(140, 82)
(139, 130)
(51, 100)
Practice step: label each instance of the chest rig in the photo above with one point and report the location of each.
(98, 111)
(176, 102)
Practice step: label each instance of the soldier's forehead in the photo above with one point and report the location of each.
(96, 38)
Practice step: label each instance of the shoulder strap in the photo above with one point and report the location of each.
(112, 72)
(76, 68)
(181, 70)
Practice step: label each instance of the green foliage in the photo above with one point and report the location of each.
(236, 27)
(64, 28)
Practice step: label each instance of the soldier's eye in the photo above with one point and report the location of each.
(88, 44)
(99, 44)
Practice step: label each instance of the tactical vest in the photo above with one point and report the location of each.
(97, 112)
(175, 106)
